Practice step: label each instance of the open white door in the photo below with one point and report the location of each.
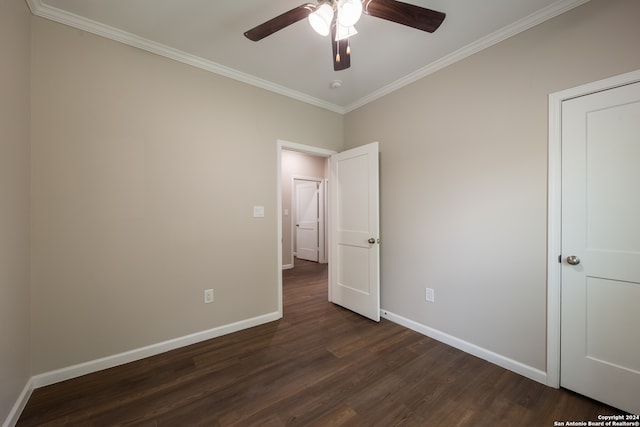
(600, 348)
(354, 267)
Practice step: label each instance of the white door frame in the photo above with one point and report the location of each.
(554, 214)
(291, 146)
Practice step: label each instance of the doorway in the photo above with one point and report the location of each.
(303, 200)
(284, 190)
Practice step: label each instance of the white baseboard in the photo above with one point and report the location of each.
(78, 370)
(74, 371)
(18, 407)
(497, 359)
(287, 266)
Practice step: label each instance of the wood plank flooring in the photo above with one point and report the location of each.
(320, 365)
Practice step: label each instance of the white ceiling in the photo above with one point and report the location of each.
(296, 61)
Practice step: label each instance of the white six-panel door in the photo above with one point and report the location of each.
(600, 302)
(354, 272)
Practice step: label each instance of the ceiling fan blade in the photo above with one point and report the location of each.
(341, 56)
(279, 22)
(405, 14)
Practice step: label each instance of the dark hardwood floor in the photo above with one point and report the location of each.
(320, 365)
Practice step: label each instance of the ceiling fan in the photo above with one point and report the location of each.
(338, 17)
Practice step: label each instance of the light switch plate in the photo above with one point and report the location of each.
(258, 211)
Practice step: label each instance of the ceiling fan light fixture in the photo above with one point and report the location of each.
(349, 12)
(343, 32)
(338, 17)
(320, 20)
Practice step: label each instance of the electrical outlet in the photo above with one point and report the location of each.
(430, 295)
(208, 296)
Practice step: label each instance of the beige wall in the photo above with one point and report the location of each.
(14, 201)
(464, 177)
(145, 174)
(295, 165)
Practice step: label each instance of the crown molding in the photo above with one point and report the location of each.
(76, 21)
(94, 27)
(517, 27)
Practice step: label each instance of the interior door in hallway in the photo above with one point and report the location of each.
(307, 217)
(354, 267)
(600, 320)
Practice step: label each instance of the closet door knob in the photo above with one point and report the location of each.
(573, 260)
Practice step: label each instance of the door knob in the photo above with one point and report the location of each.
(573, 260)
(371, 240)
